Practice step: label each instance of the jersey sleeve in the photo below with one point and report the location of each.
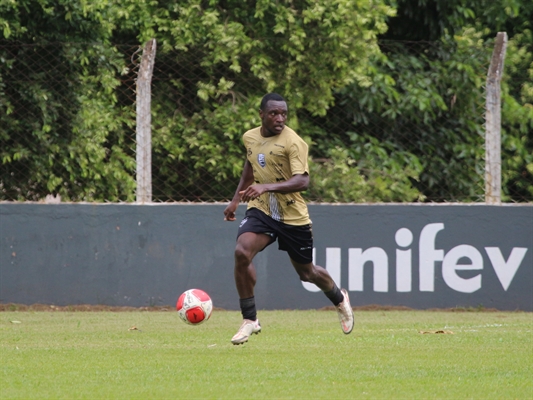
(298, 152)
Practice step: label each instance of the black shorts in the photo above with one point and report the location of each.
(295, 240)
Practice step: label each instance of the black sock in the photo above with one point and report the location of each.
(335, 295)
(248, 308)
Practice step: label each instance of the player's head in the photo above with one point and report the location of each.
(270, 96)
(273, 114)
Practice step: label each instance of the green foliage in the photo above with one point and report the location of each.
(426, 102)
(387, 120)
(281, 46)
(423, 103)
(61, 126)
(473, 26)
(430, 20)
(218, 59)
(366, 172)
(201, 154)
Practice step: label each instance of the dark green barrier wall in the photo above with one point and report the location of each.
(420, 256)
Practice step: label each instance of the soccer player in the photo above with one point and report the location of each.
(274, 173)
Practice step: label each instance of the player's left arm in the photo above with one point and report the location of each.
(296, 183)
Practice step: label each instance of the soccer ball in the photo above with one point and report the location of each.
(194, 306)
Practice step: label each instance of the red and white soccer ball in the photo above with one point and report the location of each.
(194, 306)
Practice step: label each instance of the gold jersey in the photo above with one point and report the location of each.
(276, 159)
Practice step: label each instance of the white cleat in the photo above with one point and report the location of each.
(247, 328)
(345, 312)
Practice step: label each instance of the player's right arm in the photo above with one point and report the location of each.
(247, 178)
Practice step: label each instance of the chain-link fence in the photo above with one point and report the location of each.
(68, 125)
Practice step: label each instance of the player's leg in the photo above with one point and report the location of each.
(248, 245)
(298, 242)
(308, 272)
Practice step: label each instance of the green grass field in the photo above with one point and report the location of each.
(298, 355)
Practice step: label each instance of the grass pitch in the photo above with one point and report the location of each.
(299, 354)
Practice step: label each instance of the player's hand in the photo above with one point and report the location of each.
(229, 212)
(252, 192)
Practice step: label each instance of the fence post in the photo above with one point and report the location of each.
(144, 124)
(493, 158)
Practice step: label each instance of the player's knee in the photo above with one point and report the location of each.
(242, 256)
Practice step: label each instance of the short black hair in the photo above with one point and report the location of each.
(268, 97)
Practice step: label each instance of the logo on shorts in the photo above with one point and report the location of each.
(261, 159)
(243, 221)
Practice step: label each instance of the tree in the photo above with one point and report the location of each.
(453, 22)
(62, 131)
(218, 58)
(388, 119)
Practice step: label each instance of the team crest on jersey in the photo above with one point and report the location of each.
(261, 160)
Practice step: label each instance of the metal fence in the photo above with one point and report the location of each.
(69, 112)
